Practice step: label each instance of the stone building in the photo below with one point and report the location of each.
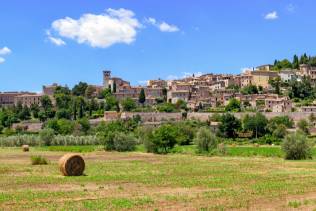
(28, 99)
(50, 89)
(277, 104)
(113, 83)
(262, 77)
(8, 98)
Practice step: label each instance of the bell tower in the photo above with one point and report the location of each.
(106, 78)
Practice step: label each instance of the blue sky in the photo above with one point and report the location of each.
(145, 39)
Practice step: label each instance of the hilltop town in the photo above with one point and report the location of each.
(262, 89)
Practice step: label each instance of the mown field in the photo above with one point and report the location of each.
(247, 178)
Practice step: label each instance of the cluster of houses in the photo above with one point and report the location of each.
(213, 90)
(208, 90)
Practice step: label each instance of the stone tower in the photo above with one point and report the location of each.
(106, 78)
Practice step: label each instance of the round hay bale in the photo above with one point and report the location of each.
(25, 148)
(71, 165)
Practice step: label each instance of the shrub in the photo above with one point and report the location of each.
(297, 147)
(303, 126)
(280, 131)
(146, 136)
(19, 140)
(161, 140)
(185, 133)
(120, 142)
(61, 140)
(38, 160)
(205, 140)
(128, 104)
(47, 136)
(229, 126)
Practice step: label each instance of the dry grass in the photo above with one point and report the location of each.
(141, 181)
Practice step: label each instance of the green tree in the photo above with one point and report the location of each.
(63, 114)
(114, 87)
(25, 113)
(164, 138)
(205, 140)
(63, 101)
(181, 104)
(303, 126)
(280, 120)
(164, 94)
(46, 103)
(90, 90)
(35, 109)
(304, 59)
(233, 105)
(297, 147)
(257, 124)
(250, 89)
(110, 103)
(80, 89)
(185, 133)
(120, 142)
(276, 83)
(280, 132)
(81, 105)
(128, 104)
(142, 97)
(47, 136)
(283, 64)
(84, 124)
(105, 93)
(296, 62)
(229, 125)
(166, 107)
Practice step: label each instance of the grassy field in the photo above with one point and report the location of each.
(141, 181)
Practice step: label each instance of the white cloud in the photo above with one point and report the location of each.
(5, 51)
(103, 30)
(55, 40)
(165, 27)
(151, 21)
(271, 16)
(162, 26)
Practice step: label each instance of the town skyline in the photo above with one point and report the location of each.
(156, 42)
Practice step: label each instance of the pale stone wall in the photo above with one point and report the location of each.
(153, 116)
(296, 116)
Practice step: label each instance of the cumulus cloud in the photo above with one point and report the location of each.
(5, 50)
(99, 30)
(162, 26)
(271, 16)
